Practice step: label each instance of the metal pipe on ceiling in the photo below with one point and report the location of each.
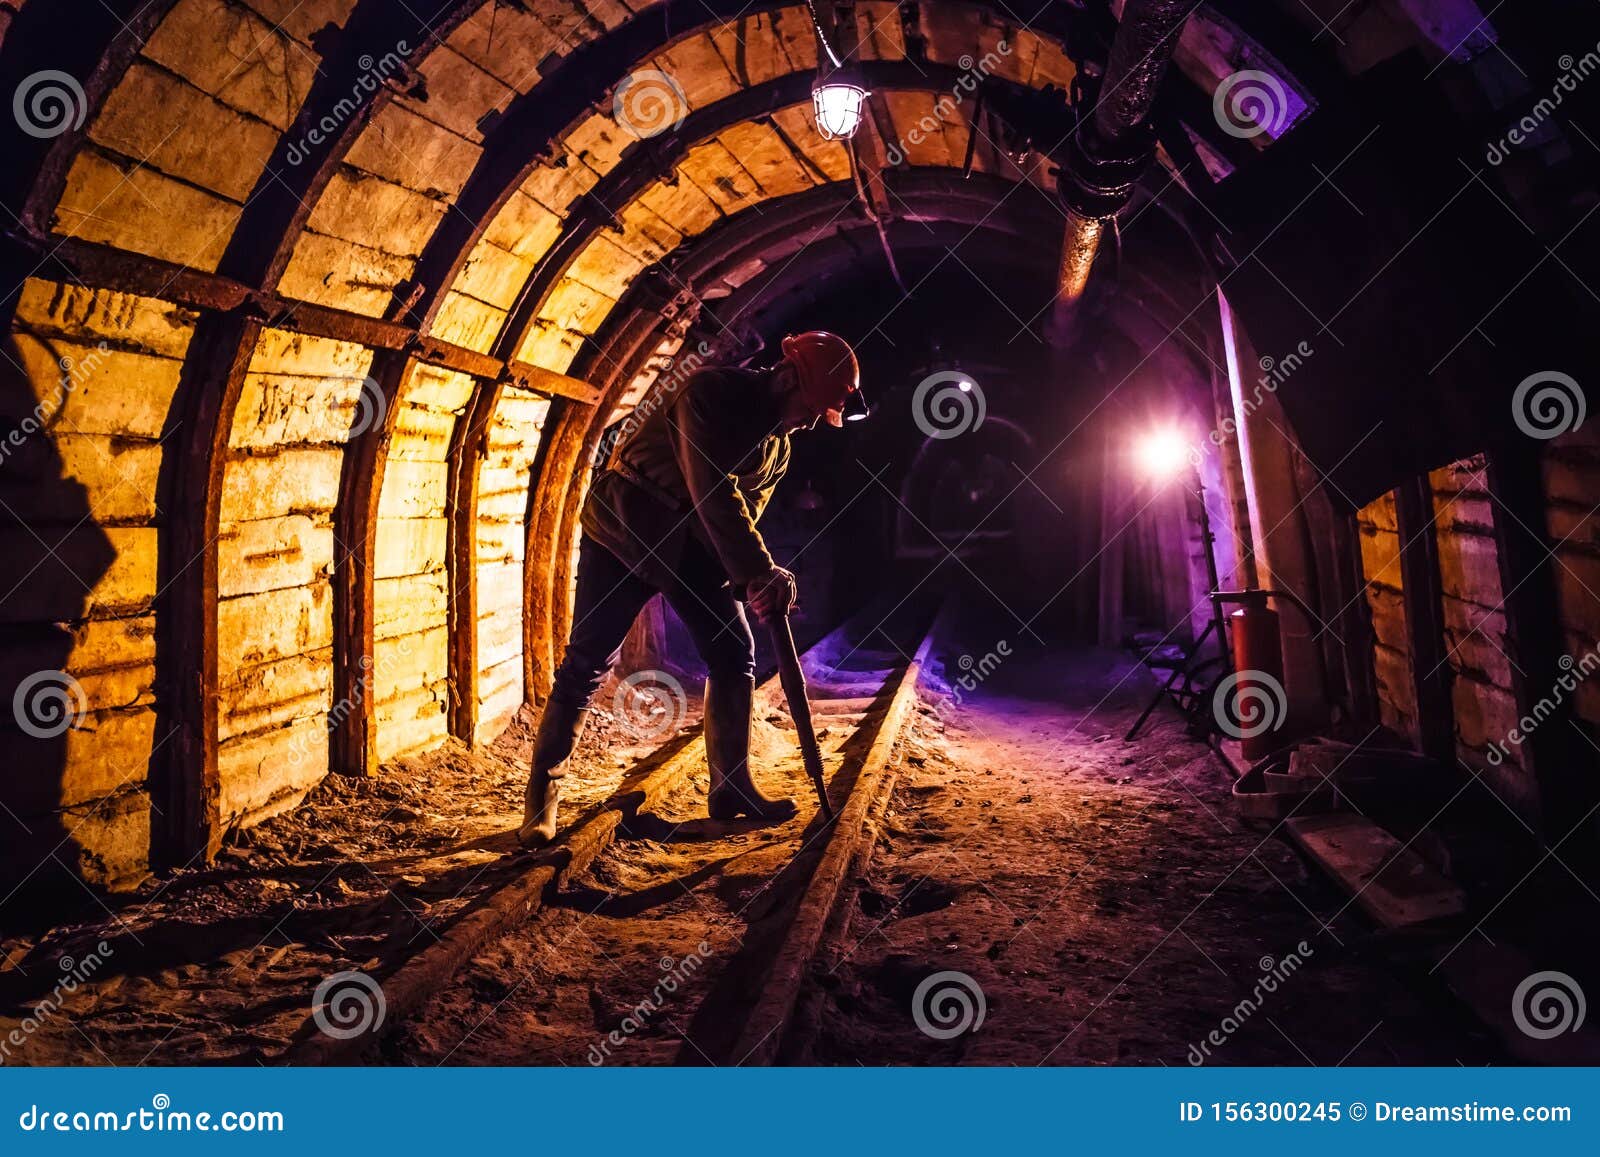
(1110, 150)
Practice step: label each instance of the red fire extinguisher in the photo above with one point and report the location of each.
(1256, 700)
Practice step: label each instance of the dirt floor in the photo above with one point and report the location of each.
(1108, 904)
(1096, 901)
(653, 955)
(1102, 897)
(219, 965)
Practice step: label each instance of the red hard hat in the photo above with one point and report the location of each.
(826, 366)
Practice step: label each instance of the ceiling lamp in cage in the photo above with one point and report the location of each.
(838, 103)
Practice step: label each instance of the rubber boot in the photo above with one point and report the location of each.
(559, 728)
(727, 729)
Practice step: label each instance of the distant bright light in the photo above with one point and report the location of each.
(1164, 453)
(838, 107)
(966, 385)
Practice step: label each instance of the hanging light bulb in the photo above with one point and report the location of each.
(838, 104)
(837, 101)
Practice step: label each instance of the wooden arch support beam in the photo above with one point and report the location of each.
(210, 384)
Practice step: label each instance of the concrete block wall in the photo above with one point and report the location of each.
(503, 482)
(301, 398)
(410, 659)
(731, 171)
(1476, 644)
(86, 386)
(164, 171)
(1385, 592)
(1571, 470)
(152, 179)
(410, 162)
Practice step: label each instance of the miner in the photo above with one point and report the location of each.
(675, 512)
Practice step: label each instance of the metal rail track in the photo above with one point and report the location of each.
(872, 688)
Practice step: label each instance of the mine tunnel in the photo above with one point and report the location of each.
(1196, 617)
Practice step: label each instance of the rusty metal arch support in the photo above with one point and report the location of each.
(624, 344)
(353, 727)
(224, 344)
(185, 785)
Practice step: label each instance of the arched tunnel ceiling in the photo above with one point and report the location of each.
(145, 178)
(308, 260)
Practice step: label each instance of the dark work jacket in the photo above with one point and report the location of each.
(701, 460)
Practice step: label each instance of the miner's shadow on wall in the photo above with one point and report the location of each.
(61, 808)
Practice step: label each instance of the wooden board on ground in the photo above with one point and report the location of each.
(1393, 884)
